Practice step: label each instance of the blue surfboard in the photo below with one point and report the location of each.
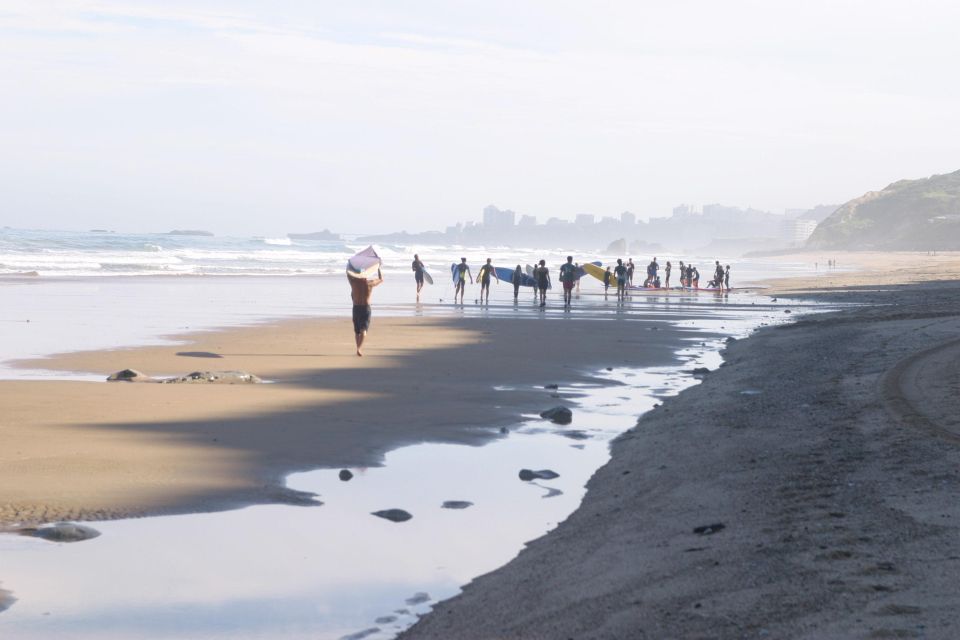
(506, 275)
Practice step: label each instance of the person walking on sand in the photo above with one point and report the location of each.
(516, 280)
(462, 270)
(418, 269)
(620, 271)
(726, 278)
(484, 276)
(579, 271)
(542, 275)
(666, 275)
(361, 291)
(568, 276)
(607, 279)
(630, 268)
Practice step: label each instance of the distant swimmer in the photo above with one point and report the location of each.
(517, 280)
(568, 276)
(486, 271)
(461, 271)
(666, 275)
(726, 278)
(542, 275)
(361, 290)
(417, 267)
(620, 271)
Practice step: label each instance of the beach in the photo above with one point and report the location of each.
(805, 509)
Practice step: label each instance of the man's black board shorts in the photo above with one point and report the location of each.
(361, 318)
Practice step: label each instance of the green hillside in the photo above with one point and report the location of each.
(909, 215)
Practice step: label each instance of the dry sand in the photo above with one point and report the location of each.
(828, 450)
(89, 450)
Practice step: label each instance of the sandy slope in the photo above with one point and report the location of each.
(824, 449)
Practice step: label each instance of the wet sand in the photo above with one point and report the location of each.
(807, 489)
(93, 450)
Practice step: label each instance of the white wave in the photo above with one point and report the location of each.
(286, 242)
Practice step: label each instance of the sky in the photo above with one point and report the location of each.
(272, 117)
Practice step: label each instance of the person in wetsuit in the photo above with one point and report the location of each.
(516, 280)
(484, 276)
(620, 271)
(417, 267)
(542, 275)
(666, 275)
(462, 270)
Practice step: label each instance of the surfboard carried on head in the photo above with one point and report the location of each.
(364, 264)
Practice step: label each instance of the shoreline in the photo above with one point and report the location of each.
(116, 450)
(836, 509)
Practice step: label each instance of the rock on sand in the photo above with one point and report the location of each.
(393, 515)
(559, 415)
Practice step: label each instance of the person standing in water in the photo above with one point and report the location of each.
(418, 268)
(718, 274)
(682, 270)
(462, 270)
(666, 275)
(630, 268)
(607, 278)
(484, 276)
(516, 280)
(620, 271)
(361, 291)
(726, 278)
(542, 275)
(568, 276)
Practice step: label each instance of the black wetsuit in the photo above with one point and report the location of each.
(417, 267)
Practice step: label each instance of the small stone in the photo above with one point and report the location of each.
(418, 598)
(129, 375)
(393, 515)
(558, 415)
(709, 529)
(63, 532)
(345, 475)
(456, 504)
(543, 474)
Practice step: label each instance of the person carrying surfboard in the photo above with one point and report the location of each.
(361, 291)
(620, 271)
(542, 275)
(517, 280)
(418, 268)
(484, 277)
(462, 270)
(568, 276)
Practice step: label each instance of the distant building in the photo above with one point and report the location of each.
(795, 232)
(627, 218)
(556, 222)
(527, 221)
(684, 210)
(583, 219)
(494, 218)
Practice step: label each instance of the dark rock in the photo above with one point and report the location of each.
(6, 599)
(345, 475)
(215, 377)
(504, 430)
(787, 311)
(129, 375)
(575, 434)
(709, 529)
(700, 371)
(393, 515)
(199, 354)
(559, 415)
(360, 635)
(543, 474)
(418, 598)
(551, 386)
(62, 532)
(386, 619)
(456, 504)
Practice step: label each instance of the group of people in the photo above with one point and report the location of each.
(570, 273)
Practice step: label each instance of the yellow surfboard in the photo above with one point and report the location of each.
(598, 273)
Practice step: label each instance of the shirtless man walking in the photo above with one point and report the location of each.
(361, 290)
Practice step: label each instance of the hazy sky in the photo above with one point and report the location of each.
(269, 117)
